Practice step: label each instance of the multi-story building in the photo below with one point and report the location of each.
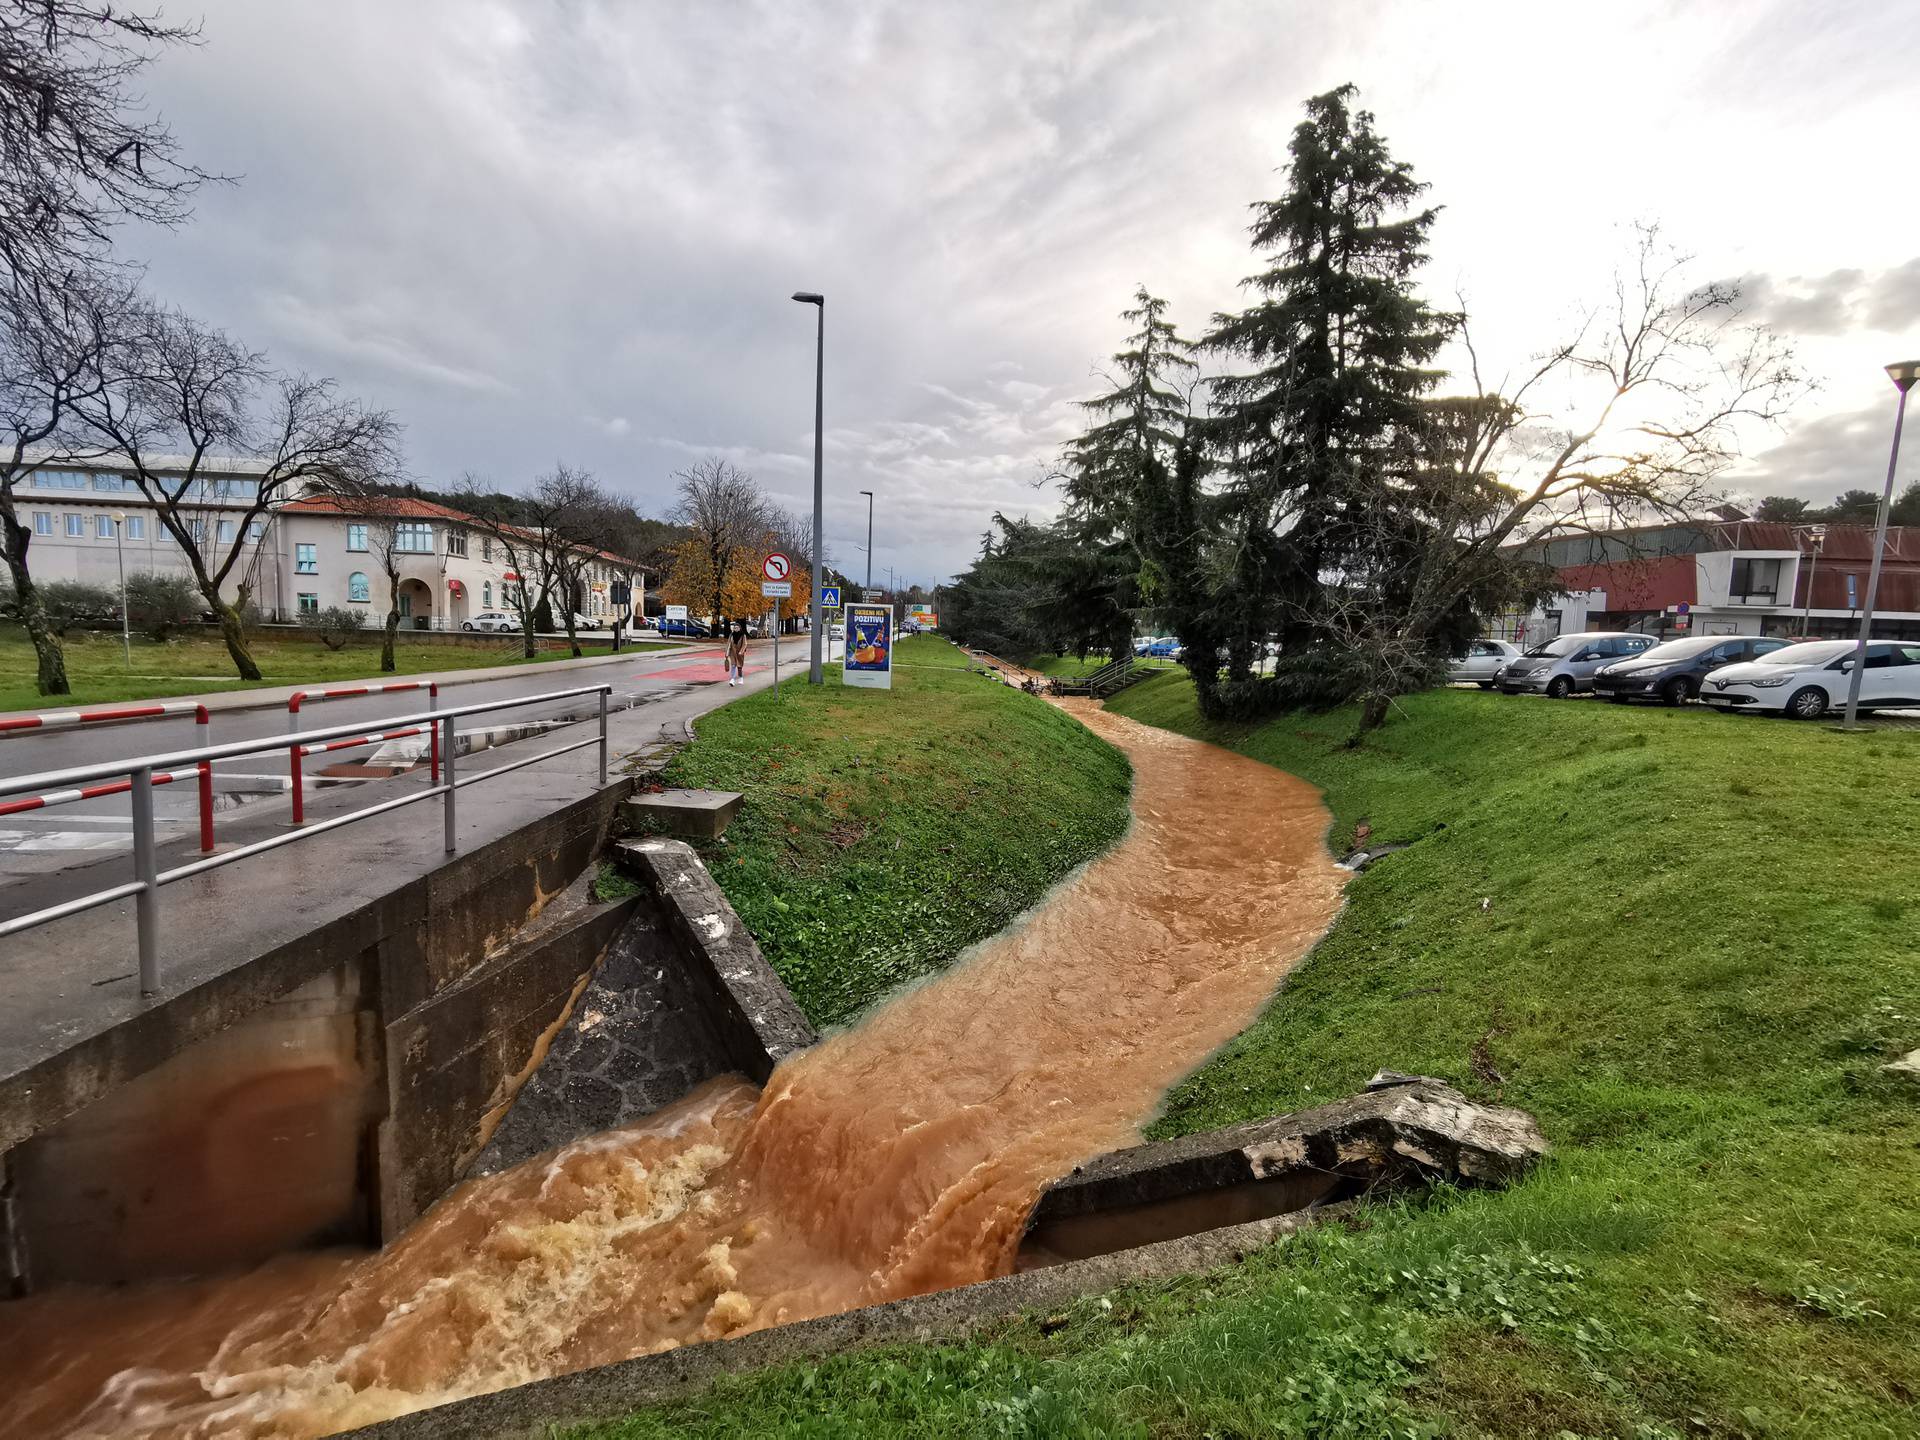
(1729, 577)
(87, 517)
(331, 553)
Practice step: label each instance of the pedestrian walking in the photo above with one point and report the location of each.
(736, 652)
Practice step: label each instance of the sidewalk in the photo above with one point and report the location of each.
(69, 985)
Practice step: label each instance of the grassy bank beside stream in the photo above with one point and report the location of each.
(1687, 943)
(884, 831)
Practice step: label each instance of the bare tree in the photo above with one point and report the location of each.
(727, 517)
(1661, 387)
(77, 153)
(572, 506)
(175, 397)
(50, 346)
(526, 530)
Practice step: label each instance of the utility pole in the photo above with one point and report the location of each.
(817, 612)
(869, 495)
(1903, 375)
(120, 554)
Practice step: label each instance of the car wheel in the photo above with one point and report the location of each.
(1809, 703)
(467, 626)
(1560, 687)
(1676, 691)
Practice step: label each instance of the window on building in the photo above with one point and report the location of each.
(136, 527)
(307, 601)
(256, 529)
(358, 588)
(357, 538)
(103, 526)
(76, 526)
(413, 538)
(226, 530)
(306, 559)
(486, 547)
(198, 529)
(486, 594)
(1755, 582)
(59, 480)
(111, 482)
(43, 522)
(456, 541)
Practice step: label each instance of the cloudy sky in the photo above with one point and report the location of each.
(567, 229)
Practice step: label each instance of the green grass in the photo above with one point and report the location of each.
(937, 650)
(1072, 666)
(195, 664)
(1686, 942)
(885, 831)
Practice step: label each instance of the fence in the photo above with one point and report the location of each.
(295, 753)
(65, 719)
(140, 775)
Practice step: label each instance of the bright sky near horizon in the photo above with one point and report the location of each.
(544, 230)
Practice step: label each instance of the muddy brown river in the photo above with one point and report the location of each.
(899, 1156)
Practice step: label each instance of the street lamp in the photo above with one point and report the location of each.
(1903, 375)
(817, 611)
(120, 554)
(1817, 534)
(869, 495)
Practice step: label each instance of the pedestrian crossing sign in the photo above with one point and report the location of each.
(829, 597)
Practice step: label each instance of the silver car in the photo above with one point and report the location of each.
(1482, 660)
(1566, 663)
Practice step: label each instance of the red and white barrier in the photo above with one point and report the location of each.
(65, 719)
(294, 753)
(93, 792)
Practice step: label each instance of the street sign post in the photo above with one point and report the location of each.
(829, 597)
(776, 566)
(781, 588)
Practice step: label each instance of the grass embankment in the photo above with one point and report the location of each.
(885, 831)
(1073, 666)
(195, 664)
(1686, 942)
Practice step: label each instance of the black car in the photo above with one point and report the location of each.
(1671, 673)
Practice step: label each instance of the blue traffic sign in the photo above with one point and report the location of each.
(829, 597)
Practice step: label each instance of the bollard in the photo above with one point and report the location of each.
(147, 871)
(205, 721)
(299, 783)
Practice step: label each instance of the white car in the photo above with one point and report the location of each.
(1807, 680)
(497, 620)
(1483, 657)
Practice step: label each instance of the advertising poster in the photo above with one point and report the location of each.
(869, 647)
(922, 615)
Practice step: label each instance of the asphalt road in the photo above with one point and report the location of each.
(47, 840)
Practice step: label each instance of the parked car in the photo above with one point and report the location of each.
(1164, 647)
(1566, 664)
(1477, 666)
(496, 620)
(692, 629)
(1672, 672)
(1805, 681)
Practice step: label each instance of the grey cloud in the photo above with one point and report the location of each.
(1823, 456)
(1837, 303)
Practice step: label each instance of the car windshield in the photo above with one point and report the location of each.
(1813, 652)
(1565, 645)
(1679, 649)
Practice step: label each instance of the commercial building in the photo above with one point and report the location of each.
(329, 553)
(1733, 576)
(89, 516)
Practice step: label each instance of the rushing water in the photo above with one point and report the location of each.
(897, 1157)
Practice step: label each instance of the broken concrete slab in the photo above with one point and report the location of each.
(758, 1022)
(700, 814)
(1411, 1130)
(1907, 1067)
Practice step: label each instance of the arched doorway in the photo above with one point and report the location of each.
(458, 604)
(416, 605)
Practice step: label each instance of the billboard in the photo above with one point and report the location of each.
(869, 647)
(923, 615)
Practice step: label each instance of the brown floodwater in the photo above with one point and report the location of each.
(899, 1156)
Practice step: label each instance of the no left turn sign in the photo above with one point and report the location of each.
(776, 566)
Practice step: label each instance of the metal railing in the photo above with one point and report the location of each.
(140, 775)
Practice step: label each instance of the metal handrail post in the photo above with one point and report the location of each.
(433, 732)
(603, 737)
(446, 776)
(146, 870)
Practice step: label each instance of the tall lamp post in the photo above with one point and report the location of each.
(869, 495)
(816, 610)
(120, 554)
(1903, 375)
